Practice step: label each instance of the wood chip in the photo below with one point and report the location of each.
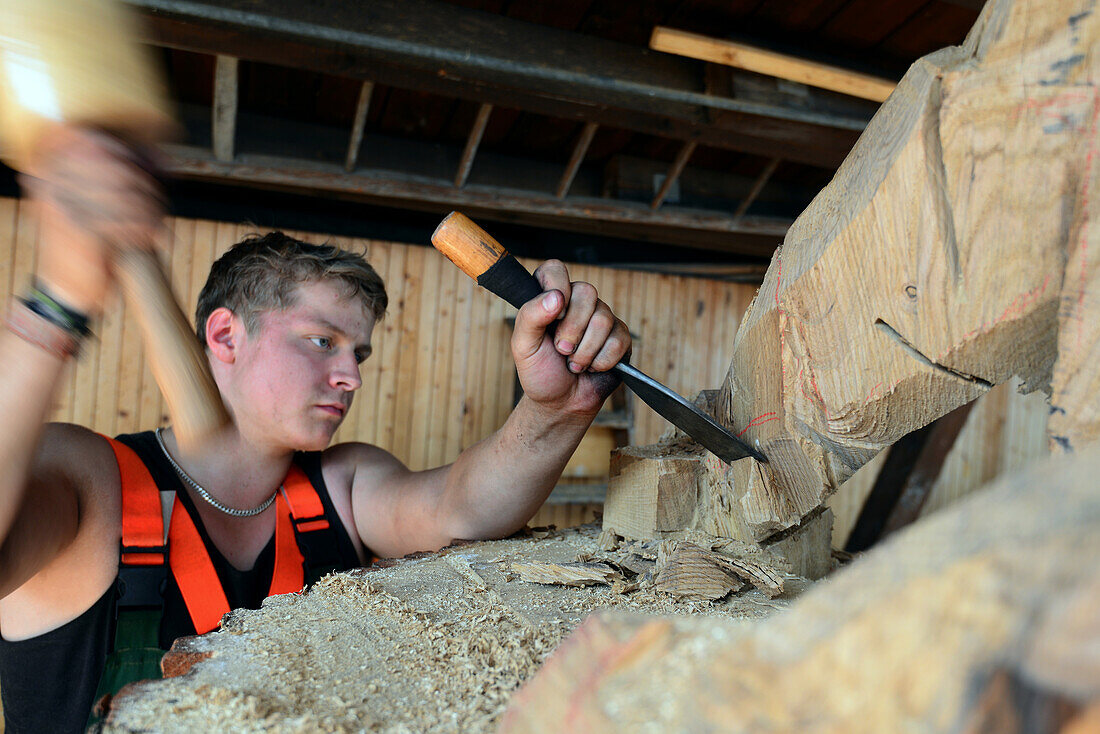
(689, 571)
(566, 574)
(760, 575)
(609, 540)
(636, 564)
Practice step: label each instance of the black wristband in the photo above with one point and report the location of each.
(41, 302)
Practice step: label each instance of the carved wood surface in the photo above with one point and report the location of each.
(931, 268)
(907, 638)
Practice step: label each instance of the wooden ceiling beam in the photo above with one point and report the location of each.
(575, 160)
(750, 237)
(757, 186)
(771, 63)
(224, 113)
(473, 140)
(448, 50)
(674, 172)
(358, 125)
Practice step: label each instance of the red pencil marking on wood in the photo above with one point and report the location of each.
(1083, 281)
(758, 421)
(1018, 306)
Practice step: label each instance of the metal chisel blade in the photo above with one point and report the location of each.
(712, 435)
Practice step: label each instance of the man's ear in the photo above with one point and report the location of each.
(223, 331)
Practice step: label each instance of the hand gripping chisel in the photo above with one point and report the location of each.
(482, 258)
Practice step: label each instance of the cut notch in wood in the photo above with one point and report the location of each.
(771, 63)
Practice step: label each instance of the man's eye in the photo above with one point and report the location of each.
(321, 341)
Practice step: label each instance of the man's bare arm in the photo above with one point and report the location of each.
(495, 486)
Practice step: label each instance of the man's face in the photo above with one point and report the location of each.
(294, 379)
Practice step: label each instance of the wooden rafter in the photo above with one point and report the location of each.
(575, 160)
(757, 186)
(443, 49)
(224, 119)
(762, 61)
(473, 140)
(674, 172)
(359, 124)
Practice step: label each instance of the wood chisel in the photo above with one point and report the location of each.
(482, 258)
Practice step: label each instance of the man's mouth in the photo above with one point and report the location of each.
(335, 409)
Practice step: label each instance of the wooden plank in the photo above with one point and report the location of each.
(460, 361)
(906, 479)
(131, 363)
(421, 398)
(443, 363)
(478, 372)
(757, 187)
(762, 61)
(674, 172)
(408, 349)
(576, 158)
(224, 119)
(358, 125)
(366, 401)
(388, 348)
(473, 140)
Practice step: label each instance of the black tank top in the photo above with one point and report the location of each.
(48, 682)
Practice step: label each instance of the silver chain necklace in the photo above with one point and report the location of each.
(206, 495)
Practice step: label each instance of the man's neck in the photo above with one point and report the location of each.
(235, 471)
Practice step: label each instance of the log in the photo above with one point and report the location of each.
(932, 267)
(918, 634)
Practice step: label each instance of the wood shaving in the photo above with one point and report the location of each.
(566, 574)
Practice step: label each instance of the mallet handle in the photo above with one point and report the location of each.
(175, 356)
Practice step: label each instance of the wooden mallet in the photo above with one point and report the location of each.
(73, 62)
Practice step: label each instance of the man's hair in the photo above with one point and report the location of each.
(262, 272)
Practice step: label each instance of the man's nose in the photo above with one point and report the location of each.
(345, 373)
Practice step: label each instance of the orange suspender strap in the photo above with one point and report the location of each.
(305, 503)
(143, 538)
(194, 572)
(142, 522)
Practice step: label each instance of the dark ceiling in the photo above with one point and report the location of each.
(274, 137)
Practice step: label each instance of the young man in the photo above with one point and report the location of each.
(285, 326)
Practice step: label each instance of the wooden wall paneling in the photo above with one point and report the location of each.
(131, 364)
(458, 376)
(501, 373)
(635, 309)
(357, 425)
(426, 330)
(379, 254)
(443, 363)
(478, 364)
(656, 363)
(202, 255)
(388, 344)
(678, 329)
(982, 450)
(407, 352)
(104, 419)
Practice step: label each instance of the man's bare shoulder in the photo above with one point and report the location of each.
(82, 456)
(353, 463)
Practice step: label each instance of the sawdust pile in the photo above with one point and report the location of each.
(432, 644)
